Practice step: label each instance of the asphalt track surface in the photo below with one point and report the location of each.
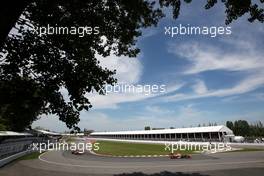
(65, 163)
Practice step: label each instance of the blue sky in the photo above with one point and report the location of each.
(207, 79)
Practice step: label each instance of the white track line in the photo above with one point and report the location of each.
(125, 156)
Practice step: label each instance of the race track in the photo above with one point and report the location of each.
(65, 163)
(88, 163)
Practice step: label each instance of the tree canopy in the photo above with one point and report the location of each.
(243, 128)
(34, 68)
(40, 65)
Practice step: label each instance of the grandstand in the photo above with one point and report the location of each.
(210, 133)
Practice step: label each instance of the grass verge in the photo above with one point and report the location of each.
(125, 148)
(247, 150)
(69, 139)
(30, 156)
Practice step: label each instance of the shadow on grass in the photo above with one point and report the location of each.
(165, 173)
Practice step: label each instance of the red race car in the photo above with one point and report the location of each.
(179, 156)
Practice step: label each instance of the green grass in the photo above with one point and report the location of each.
(247, 150)
(125, 148)
(30, 156)
(69, 139)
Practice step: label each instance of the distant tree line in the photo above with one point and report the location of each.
(243, 128)
(209, 124)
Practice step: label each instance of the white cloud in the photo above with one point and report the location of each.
(190, 115)
(207, 58)
(252, 97)
(128, 70)
(202, 57)
(102, 122)
(50, 122)
(157, 110)
(185, 116)
(149, 32)
(112, 99)
(249, 84)
(200, 87)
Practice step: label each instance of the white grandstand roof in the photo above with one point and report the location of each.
(220, 128)
(12, 133)
(58, 134)
(48, 132)
(74, 134)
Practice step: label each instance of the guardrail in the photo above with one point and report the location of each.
(10, 158)
(15, 148)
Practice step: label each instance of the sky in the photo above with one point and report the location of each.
(207, 79)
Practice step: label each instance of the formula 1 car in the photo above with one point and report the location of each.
(179, 156)
(77, 152)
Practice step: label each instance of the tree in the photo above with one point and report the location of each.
(3, 125)
(12, 9)
(44, 64)
(241, 128)
(257, 129)
(230, 125)
(9, 13)
(87, 132)
(238, 8)
(20, 102)
(147, 128)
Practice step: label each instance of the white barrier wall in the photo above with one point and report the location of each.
(8, 159)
